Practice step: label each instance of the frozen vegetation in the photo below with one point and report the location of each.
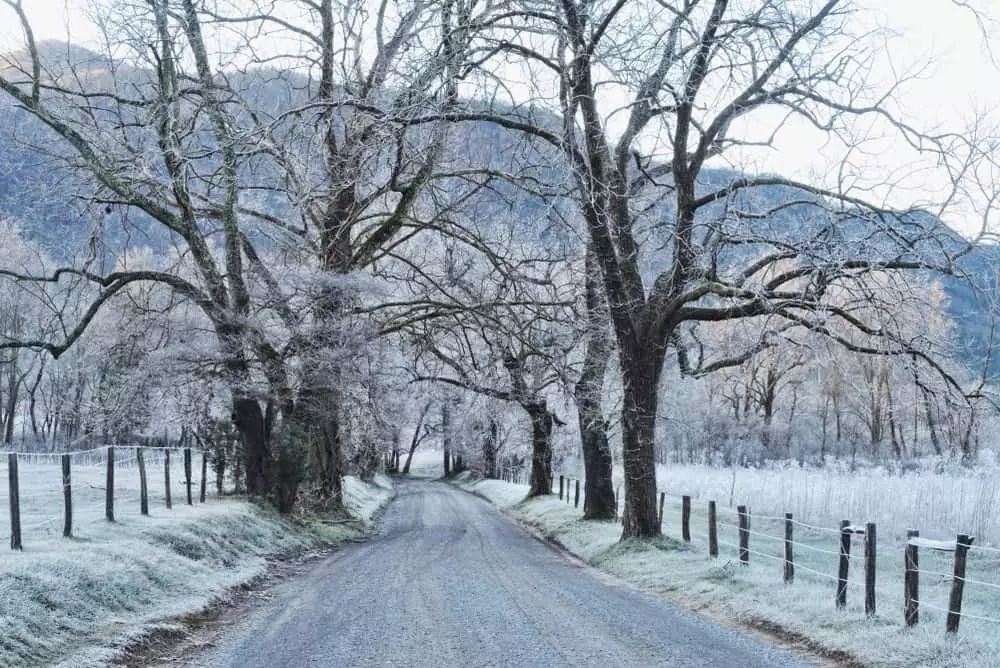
(79, 599)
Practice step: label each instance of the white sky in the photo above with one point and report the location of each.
(963, 80)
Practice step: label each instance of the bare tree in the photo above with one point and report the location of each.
(696, 77)
(502, 338)
(599, 493)
(193, 126)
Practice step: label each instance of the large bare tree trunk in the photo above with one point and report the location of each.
(542, 422)
(640, 372)
(328, 445)
(252, 427)
(599, 492)
(490, 450)
(446, 435)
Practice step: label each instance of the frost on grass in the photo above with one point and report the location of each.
(62, 598)
(685, 574)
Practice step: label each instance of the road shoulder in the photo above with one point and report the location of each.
(177, 640)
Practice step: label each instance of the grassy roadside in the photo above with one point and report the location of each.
(77, 602)
(802, 613)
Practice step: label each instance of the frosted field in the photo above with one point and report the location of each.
(77, 599)
(939, 505)
(41, 489)
(819, 500)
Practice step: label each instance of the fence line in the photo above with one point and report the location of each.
(957, 548)
(86, 487)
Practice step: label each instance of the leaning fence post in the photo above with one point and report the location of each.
(744, 535)
(143, 487)
(713, 533)
(204, 476)
(662, 496)
(67, 498)
(911, 580)
(845, 557)
(187, 474)
(166, 475)
(109, 492)
(15, 502)
(958, 583)
(870, 544)
(686, 518)
(789, 563)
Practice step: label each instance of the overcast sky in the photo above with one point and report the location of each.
(962, 81)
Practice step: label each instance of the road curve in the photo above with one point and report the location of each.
(449, 581)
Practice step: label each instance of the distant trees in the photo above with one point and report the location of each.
(809, 397)
(507, 340)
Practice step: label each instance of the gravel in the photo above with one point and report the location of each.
(449, 581)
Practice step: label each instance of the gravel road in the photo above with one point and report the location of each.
(449, 581)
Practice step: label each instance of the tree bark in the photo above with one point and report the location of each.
(12, 392)
(599, 491)
(931, 424)
(542, 422)
(490, 450)
(641, 366)
(328, 445)
(446, 435)
(249, 421)
(417, 437)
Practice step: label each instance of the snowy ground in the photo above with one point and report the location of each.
(427, 463)
(686, 574)
(62, 599)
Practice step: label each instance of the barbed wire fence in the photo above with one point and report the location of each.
(888, 571)
(69, 493)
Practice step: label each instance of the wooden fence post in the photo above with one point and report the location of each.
(744, 535)
(204, 476)
(685, 518)
(109, 491)
(576, 495)
(662, 497)
(143, 487)
(789, 563)
(568, 485)
(560, 487)
(187, 474)
(958, 583)
(844, 562)
(166, 475)
(15, 502)
(713, 533)
(911, 580)
(67, 498)
(870, 545)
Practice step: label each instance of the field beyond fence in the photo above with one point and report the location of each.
(66, 494)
